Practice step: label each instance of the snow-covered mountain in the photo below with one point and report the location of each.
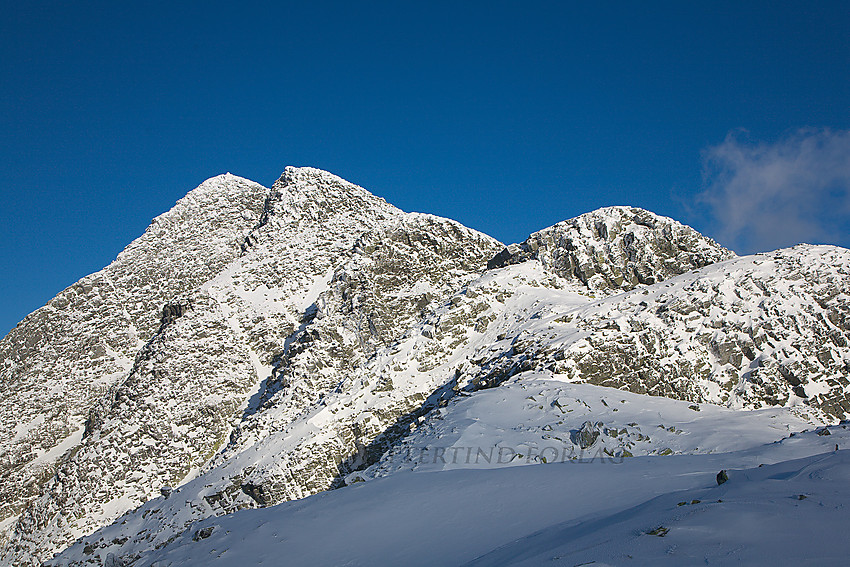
(257, 346)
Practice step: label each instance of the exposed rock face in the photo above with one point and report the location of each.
(329, 274)
(168, 417)
(65, 356)
(587, 435)
(173, 311)
(261, 345)
(751, 332)
(616, 248)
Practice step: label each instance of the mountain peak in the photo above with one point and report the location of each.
(271, 343)
(616, 248)
(310, 179)
(627, 216)
(307, 192)
(221, 180)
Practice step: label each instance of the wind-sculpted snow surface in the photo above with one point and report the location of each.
(323, 337)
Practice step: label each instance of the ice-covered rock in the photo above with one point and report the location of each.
(261, 345)
(327, 275)
(616, 248)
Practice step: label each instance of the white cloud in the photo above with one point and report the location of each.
(764, 196)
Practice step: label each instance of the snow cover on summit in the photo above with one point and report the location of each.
(319, 337)
(63, 359)
(227, 341)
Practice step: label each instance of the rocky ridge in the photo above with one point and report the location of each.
(750, 332)
(315, 326)
(65, 356)
(616, 248)
(236, 336)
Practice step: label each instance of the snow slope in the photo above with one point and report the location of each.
(539, 418)
(328, 273)
(529, 420)
(642, 511)
(321, 338)
(784, 513)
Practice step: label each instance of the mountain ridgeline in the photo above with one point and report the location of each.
(258, 345)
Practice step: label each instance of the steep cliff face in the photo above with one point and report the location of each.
(327, 274)
(616, 248)
(262, 345)
(65, 356)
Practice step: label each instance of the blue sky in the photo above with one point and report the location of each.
(507, 116)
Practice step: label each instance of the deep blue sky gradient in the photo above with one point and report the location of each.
(506, 116)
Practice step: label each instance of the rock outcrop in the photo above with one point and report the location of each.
(616, 248)
(261, 345)
(61, 359)
(332, 274)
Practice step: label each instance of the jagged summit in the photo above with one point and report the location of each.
(257, 345)
(307, 192)
(247, 268)
(313, 183)
(311, 177)
(616, 248)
